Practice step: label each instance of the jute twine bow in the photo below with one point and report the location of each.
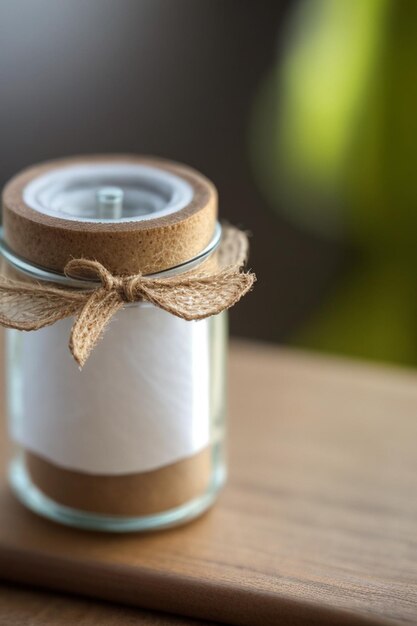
(192, 295)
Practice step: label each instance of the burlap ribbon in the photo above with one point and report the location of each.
(192, 295)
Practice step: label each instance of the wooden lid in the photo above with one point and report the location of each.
(51, 213)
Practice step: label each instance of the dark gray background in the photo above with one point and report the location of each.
(173, 78)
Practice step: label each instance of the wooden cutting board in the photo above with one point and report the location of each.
(317, 525)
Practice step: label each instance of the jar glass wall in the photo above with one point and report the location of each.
(130, 247)
(120, 446)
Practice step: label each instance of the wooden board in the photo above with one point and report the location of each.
(318, 523)
(20, 606)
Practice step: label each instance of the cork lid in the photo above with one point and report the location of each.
(131, 213)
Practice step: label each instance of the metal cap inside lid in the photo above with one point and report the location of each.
(101, 192)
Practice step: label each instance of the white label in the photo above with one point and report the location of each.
(140, 402)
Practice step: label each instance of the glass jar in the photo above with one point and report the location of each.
(134, 441)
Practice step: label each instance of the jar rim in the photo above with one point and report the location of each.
(38, 272)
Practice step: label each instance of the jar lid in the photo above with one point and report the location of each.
(133, 214)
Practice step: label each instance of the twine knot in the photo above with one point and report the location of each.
(128, 287)
(192, 295)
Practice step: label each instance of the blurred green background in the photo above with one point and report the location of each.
(303, 112)
(335, 135)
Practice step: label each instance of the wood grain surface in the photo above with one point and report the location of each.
(316, 526)
(20, 606)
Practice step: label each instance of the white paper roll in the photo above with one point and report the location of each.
(141, 402)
